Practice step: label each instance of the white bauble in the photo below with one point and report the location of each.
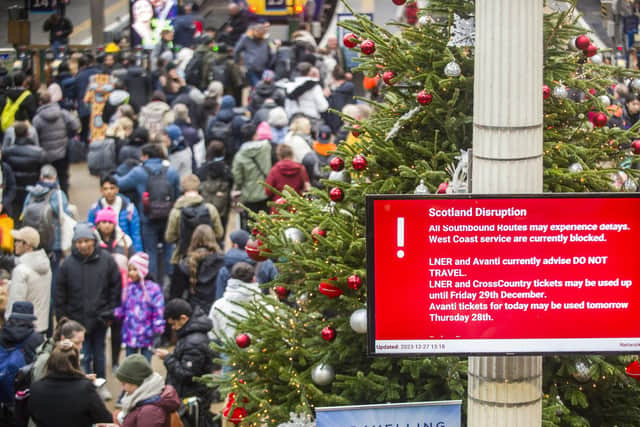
(294, 235)
(575, 168)
(452, 69)
(358, 321)
(560, 92)
(322, 374)
(606, 101)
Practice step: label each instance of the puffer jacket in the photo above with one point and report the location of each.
(54, 126)
(31, 281)
(237, 292)
(142, 313)
(250, 166)
(154, 413)
(192, 357)
(305, 95)
(16, 332)
(25, 158)
(40, 190)
(155, 116)
(128, 218)
(88, 289)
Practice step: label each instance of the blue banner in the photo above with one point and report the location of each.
(422, 414)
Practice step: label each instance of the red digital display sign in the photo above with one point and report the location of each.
(503, 274)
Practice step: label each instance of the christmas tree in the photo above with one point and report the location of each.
(305, 344)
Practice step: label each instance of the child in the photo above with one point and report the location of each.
(142, 309)
(109, 234)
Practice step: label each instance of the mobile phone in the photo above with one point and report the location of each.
(99, 382)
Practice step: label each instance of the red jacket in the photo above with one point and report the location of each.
(154, 414)
(286, 172)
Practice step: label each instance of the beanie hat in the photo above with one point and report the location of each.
(268, 75)
(239, 237)
(83, 230)
(106, 215)
(278, 117)
(141, 262)
(134, 370)
(174, 133)
(264, 132)
(140, 136)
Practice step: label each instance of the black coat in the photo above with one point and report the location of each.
(192, 357)
(66, 401)
(25, 158)
(21, 332)
(88, 289)
(139, 85)
(9, 188)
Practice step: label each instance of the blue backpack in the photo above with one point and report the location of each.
(11, 360)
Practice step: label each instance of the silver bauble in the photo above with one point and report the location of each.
(597, 59)
(575, 168)
(606, 101)
(358, 321)
(560, 92)
(635, 84)
(424, 20)
(342, 176)
(421, 188)
(294, 235)
(303, 299)
(582, 371)
(630, 186)
(322, 374)
(572, 44)
(452, 69)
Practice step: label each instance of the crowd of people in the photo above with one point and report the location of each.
(182, 138)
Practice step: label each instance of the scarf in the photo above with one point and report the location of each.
(151, 386)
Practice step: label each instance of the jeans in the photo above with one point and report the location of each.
(152, 236)
(93, 350)
(146, 352)
(253, 77)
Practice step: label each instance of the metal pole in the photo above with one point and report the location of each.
(97, 22)
(506, 391)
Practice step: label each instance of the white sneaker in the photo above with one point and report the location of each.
(104, 393)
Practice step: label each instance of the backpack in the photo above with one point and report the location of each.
(218, 72)
(10, 109)
(39, 215)
(193, 70)
(282, 64)
(102, 156)
(160, 195)
(11, 360)
(209, 190)
(173, 418)
(220, 131)
(191, 217)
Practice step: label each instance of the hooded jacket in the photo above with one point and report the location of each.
(155, 116)
(250, 166)
(31, 281)
(304, 95)
(139, 85)
(54, 125)
(262, 92)
(128, 218)
(40, 190)
(237, 292)
(192, 357)
(172, 233)
(16, 332)
(142, 313)
(88, 288)
(25, 158)
(118, 243)
(286, 172)
(156, 412)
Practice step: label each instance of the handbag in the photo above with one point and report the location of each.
(6, 239)
(66, 227)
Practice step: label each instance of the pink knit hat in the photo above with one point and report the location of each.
(140, 261)
(264, 132)
(106, 215)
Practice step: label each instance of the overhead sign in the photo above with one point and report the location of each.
(503, 274)
(431, 414)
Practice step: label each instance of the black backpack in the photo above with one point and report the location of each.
(217, 191)
(283, 63)
(191, 217)
(102, 156)
(160, 195)
(193, 70)
(39, 215)
(220, 131)
(218, 72)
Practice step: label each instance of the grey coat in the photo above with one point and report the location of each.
(54, 126)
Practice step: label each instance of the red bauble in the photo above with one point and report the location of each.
(329, 290)
(337, 164)
(354, 282)
(317, 231)
(442, 188)
(350, 40)
(592, 92)
(238, 415)
(546, 92)
(387, 76)
(600, 120)
(254, 250)
(336, 194)
(582, 42)
(636, 146)
(328, 333)
(359, 162)
(243, 340)
(591, 50)
(255, 231)
(281, 291)
(399, 2)
(368, 47)
(633, 370)
(355, 131)
(424, 98)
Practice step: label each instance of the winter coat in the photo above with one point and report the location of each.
(31, 281)
(339, 97)
(117, 243)
(25, 158)
(304, 95)
(82, 83)
(137, 177)
(129, 152)
(128, 218)
(54, 126)
(42, 189)
(237, 292)
(250, 166)
(66, 401)
(255, 53)
(261, 93)
(156, 412)
(27, 108)
(181, 160)
(300, 144)
(286, 172)
(9, 190)
(88, 289)
(192, 357)
(185, 28)
(216, 170)
(139, 85)
(266, 271)
(142, 312)
(155, 116)
(42, 356)
(9, 137)
(62, 25)
(201, 265)
(16, 332)
(172, 233)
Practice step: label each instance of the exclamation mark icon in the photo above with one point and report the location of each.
(400, 238)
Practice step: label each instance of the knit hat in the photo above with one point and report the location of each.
(278, 117)
(140, 136)
(27, 234)
(174, 133)
(141, 262)
(22, 310)
(83, 230)
(106, 215)
(239, 237)
(134, 370)
(264, 132)
(324, 134)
